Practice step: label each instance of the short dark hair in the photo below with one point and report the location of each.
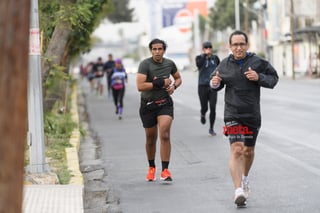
(157, 41)
(238, 32)
(207, 44)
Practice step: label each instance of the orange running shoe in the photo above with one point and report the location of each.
(151, 176)
(166, 175)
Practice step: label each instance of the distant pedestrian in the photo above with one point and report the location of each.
(156, 107)
(99, 74)
(108, 66)
(90, 75)
(118, 78)
(243, 74)
(83, 72)
(207, 63)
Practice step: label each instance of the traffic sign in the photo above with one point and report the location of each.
(183, 20)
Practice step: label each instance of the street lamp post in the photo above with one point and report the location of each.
(35, 104)
(292, 36)
(258, 11)
(237, 14)
(196, 32)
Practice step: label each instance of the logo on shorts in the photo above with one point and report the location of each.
(237, 130)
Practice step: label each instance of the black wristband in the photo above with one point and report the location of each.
(175, 87)
(158, 83)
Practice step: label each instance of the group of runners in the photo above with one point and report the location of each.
(110, 75)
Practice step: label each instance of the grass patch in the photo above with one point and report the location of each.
(58, 128)
(58, 125)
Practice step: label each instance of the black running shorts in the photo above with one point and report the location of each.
(238, 132)
(149, 111)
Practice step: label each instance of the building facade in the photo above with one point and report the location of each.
(306, 37)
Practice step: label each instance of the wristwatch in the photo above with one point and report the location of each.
(175, 87)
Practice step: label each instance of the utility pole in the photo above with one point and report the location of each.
(14, 27)
(237, 14)
(292, 36)
(246, 19)
(196, 32)
(35, 104)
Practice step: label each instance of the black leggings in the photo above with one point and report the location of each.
(206, 94)
(118, 97)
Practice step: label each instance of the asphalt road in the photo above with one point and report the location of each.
(285, 176)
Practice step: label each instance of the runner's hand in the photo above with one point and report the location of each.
(170, 89)
(251, 75)
(158, 83)
(167, 83)
(216, 79)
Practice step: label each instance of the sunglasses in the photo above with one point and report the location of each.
(207, 47)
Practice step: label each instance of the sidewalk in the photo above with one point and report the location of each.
(53, 198)
(60, 198)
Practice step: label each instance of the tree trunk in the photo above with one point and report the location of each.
(57, 45)
(14, 37)
(56, 48)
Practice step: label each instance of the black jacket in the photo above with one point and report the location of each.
(206, 65)
(242, 97)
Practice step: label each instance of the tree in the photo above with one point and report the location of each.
(222, 14)
(14, 28)
(58, 41)
(68, 25)
(203, 22)
(121, 13)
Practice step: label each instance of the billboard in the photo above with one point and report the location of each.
(177, 19)
(180, 13)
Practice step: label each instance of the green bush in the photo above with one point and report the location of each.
(58, 126)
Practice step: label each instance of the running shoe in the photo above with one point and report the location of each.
(151, 176)
(245, 187)
(212, 133)
(166, 175)
(240, 198)
(203, 119)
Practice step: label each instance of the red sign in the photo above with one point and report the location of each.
(34, 42)
(183, 20)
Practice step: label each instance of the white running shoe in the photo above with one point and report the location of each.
(240, 198)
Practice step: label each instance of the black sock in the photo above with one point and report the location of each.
(151, 163)
(165, 165)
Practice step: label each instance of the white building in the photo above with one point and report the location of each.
(306, 44)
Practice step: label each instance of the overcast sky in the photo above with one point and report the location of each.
(109, 32)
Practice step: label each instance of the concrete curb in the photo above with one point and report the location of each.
(72, 152)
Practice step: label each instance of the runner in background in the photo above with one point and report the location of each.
(207, 63)
(98, 76)
(119, 78)
(108, 66)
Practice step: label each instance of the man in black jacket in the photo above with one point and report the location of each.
(108, 66)
(243, 73)
(207, 63)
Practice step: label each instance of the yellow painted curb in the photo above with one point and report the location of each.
(72, 152)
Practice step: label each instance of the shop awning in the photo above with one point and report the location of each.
(312, 29)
